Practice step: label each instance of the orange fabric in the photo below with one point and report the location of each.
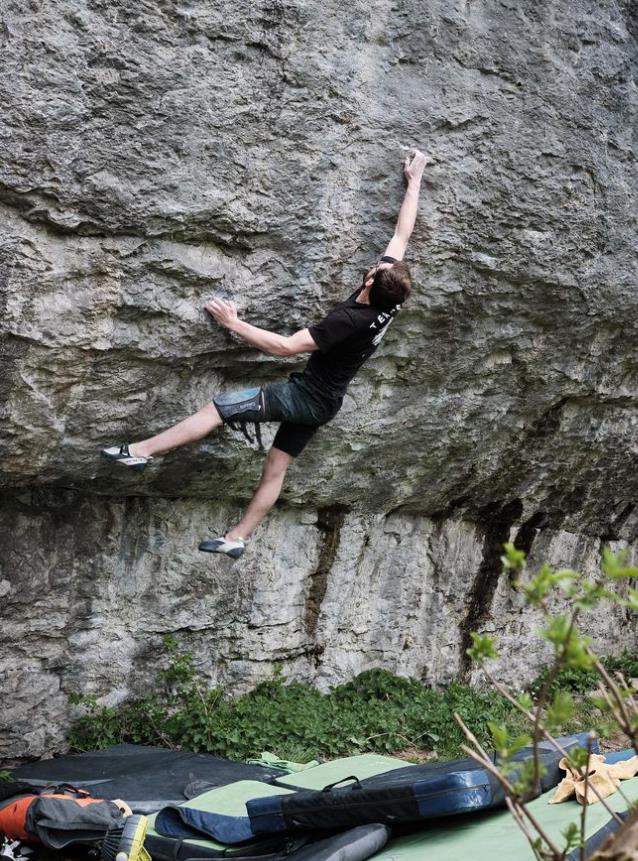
(13, 816)
(81, 801)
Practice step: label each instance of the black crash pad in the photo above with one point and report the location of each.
(136, 773)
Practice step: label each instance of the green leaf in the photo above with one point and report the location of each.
(565, 575)
(545, 580)
(483, 648)
(557, 630)
(578, 757)
(499, 738)
(518, 743)
(589, 595)
(631, 602)
(573, 837)
(521, 775)
(612, 564)
(505, 745)
(525, 701)
(513, 560)
(560, 710)
(571, 646)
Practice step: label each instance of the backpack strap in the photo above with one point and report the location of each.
(243, 427)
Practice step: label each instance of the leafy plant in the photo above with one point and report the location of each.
(553, 707)
(581, 680)
(375, 712)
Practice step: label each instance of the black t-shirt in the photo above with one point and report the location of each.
(346, 337)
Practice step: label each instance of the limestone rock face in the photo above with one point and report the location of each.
(324, 596)
(153, 155)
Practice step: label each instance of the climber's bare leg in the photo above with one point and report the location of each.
(267, 493)
(194, 428)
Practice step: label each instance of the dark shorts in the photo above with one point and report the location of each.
(300, 410)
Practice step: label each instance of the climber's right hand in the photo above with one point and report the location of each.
(414, 165)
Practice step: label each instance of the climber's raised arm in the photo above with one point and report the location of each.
(413, 168)
(268, 342)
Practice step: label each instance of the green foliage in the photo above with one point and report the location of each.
(578, 757)
(483, 648)
(572, 837)
(613, 564)
(377, 711)
(539, 587)
(626, 664)
(522, 775)
(505, 744)
(525, 701)
(631, 602)
(539, 848)
(513, 560)
(587, 596)
(559, 711)
(582, 680)
(575, 666)
(601, 704)
(584, 594)
(571, 646)
(5, 776)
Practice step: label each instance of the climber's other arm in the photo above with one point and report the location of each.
(268, 342)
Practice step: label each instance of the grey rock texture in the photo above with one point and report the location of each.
(153, 154)
(326, 596)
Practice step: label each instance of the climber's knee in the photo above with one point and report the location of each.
(276, 464)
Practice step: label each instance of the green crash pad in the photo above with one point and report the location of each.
(229, 800)
(490, 835)
(366, 765)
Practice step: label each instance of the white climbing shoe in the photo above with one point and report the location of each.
(233, 549)
(121, 454)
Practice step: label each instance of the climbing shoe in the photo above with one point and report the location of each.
(233, 549)
(121, 454)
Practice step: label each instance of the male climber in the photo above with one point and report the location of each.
(338, 345)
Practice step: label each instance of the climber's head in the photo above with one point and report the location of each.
(387, 285)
